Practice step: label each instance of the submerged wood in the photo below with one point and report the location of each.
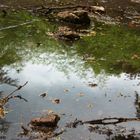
(104, 121)
(15, 26)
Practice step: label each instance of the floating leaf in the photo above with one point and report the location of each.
(81, 94)
(66, 90)
(43, 95)
(56, 101)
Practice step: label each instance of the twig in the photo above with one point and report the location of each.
(107, 121)
(19, 97)
(18, 88)
(104, 121)
(4, 100)
(15, 26)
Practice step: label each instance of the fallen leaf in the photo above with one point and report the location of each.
(2, 112)
(43, 95)
(56, 101)
(66, 90)
(81, 94)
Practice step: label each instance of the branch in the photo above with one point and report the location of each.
(104, 121)
(18, 88)
(15, 26)
(4, 100)
(19, 97)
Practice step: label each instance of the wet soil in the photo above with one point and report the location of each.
(124, 10)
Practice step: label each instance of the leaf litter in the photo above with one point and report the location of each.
(5, 100)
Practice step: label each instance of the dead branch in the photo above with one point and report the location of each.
(15, 26)
(4, 100)
(19, 97)
(107, 121)
(104, 121)
(18, 88)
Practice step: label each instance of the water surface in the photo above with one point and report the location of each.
(110, 59)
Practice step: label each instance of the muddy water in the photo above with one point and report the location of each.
(64, 71)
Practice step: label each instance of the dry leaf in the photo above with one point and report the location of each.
(56, 101)
(2, 112)
(66, 90)
(43, 95)
(81, 94)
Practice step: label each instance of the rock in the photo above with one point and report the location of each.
(49, 121)
(74, 17)
(65, 33)
(98, 8)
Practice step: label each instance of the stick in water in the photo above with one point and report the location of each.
(21, 86)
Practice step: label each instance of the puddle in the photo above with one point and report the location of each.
(109, 60)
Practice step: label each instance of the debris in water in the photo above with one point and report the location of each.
(50, 120)
(66, 33)
(5, 100)
(2, 112)
(66, 90)
(56, 101)
(81, 94)
(92, 85)
(25, 131)
(43, 95)
(104, 121)
(74, 124)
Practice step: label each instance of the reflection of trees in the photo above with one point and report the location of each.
(4, 126)
(117, 134)
(30, 42)
(5, 79)
(137, 104)
(128, 68)
(113, 49)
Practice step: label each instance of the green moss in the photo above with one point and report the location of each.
(113, 47)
